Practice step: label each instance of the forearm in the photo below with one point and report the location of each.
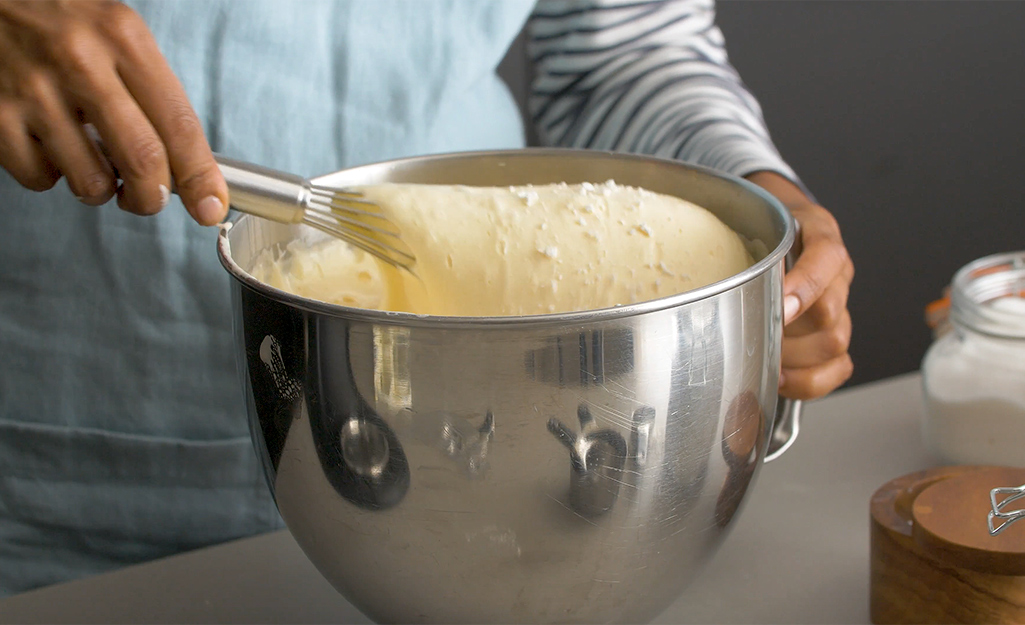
(784, 189)
(651, 78)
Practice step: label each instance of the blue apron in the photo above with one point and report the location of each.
(122, 431)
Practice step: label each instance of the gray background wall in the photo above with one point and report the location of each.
(907, 120)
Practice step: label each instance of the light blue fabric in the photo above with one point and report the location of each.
(122, 431)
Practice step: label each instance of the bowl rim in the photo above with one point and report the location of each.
(772, 259)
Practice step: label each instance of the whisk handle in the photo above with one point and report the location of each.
(261, 191)
(264, 192)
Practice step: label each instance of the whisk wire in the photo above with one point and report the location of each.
(356, 221)
(384, 244)
(338, 192)
(367, 244)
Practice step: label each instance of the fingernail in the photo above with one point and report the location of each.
(165, 196)
(782, 379)
(210, 210)
(790, 307)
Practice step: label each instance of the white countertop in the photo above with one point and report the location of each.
(798, 553)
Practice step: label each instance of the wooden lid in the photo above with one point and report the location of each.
(933, 559)
(949, 521)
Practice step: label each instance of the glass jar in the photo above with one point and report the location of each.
(974, 372)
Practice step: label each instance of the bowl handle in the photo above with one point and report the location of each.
(787, 423)
(785, 428)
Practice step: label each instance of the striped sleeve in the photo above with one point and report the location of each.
(648, 77)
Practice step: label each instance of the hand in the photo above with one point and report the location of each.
(817, 324)
(67, 64)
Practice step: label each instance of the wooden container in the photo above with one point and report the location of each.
(933, 558)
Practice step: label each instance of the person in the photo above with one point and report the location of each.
(122, 431)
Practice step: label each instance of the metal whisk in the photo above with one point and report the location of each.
(291, 199)
(287, 198)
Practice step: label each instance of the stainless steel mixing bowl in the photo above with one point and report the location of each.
(572, 467)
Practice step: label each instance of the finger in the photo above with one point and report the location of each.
(91, 82)
(823, 258)
(66, 145)
(814, 349)
(824, 313)
(815, 382)
(161, 96)
(133, 146)
(21, 155)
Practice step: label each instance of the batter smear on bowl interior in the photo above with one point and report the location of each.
(521, 250)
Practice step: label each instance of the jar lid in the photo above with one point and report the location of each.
(949, 522)
(988, 295)
(941, 514)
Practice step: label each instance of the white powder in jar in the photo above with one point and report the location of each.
(975, 394)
